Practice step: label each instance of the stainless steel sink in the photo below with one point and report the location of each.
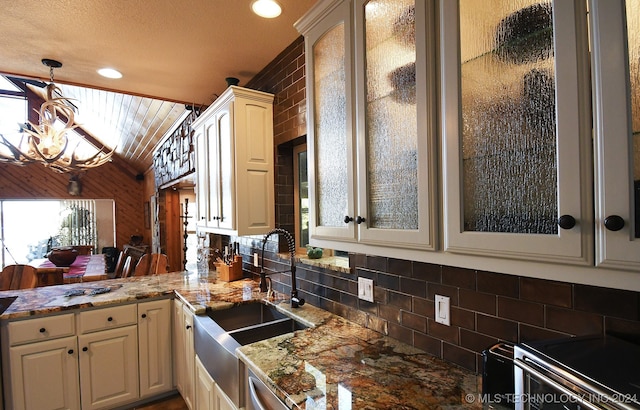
(219, 333)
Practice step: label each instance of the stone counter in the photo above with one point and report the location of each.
(341, 365)
(335, 364)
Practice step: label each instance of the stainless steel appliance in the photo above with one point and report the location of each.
(591, 372)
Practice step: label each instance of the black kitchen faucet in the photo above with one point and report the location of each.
(295, 300)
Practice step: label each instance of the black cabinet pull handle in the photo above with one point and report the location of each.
(84, 349)
(566, 222)
(70, 351)
(144, 315)
(614, 223)
(42, 330)
(188, 327)
(110, 319)
(360, 220)
(347, 219)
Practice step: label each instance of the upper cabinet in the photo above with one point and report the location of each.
(371, 139)
(234, 164)
(616, 104)
(529, 116)
(535, 111)
(516, 130)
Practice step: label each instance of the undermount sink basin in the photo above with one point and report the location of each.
(247, 315)
(219, 333)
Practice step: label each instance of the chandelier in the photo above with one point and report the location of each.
(48, 142)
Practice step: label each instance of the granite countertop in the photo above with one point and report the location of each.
(334, 364)
(341, 365)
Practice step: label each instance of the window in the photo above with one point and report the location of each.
(301, 194)
(13, 110)
(29, 229)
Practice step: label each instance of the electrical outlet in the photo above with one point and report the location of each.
(365, 289)
(442, 310)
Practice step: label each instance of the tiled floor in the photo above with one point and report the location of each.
(169, 403)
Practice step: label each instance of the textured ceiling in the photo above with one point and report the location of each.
(178, 51)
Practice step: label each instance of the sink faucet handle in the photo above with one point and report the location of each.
(269, 288)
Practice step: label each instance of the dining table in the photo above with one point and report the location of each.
(85, 268)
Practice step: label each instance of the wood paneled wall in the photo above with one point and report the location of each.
(109, 181)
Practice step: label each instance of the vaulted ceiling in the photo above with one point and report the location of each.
(171, 54)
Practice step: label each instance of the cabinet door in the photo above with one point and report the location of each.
(395, 122)
(225, 166)
(44, 375)
(178, 346)
(189, 354)
(213, 173)
(108, 367)
(154, 347)
(330, 112)
(202, 177)
(205, 388)
(617, 131)
(516, 130)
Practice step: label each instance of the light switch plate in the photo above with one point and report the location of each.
(443, 310)
(255, 259)
(365, 289)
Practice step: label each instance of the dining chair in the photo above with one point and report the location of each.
(18, 277)
(152, 264)
(117, 272)
(127, 267)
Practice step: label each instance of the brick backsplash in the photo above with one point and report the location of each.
(486, 307)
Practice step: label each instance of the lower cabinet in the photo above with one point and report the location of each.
(108, 368)
(92, 359)
(208, 395)
(183, 359)
(51, 369)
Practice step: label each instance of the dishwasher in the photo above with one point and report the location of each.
(259, 396)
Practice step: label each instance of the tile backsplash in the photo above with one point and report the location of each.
(486, 307)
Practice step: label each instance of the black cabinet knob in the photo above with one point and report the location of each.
(614, 223)
(70, 351)
(360, 220)
(84, 349)
(42, 330)
(188, 327)
(347, 219)
(144, 315)
(110, 319)
(566, 222)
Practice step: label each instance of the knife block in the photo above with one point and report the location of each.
(229, 273)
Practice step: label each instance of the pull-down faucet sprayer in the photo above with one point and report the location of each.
(295, 301)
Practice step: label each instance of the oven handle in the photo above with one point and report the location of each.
(521, 364)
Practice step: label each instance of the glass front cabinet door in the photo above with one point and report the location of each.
(372, 134)
(540, 119)
(516, 129)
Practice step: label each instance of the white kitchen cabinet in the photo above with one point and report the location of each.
(234, 153)
(371, 137)
(616, 88)
(51, 371)
(89, 359)
(40, 363)
(205, 388)
(188, 356)
(523, 133)
(208, 394)
(178, 346)
(108, 356)
(154, 347)
(108, 368)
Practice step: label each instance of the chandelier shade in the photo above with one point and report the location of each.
(48, 142)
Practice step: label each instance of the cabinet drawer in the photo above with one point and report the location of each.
(107, 318)
(44, 328)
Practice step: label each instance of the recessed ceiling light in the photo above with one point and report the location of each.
(110, 73)
(266, 8)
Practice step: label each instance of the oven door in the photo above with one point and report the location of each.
(543, 385)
